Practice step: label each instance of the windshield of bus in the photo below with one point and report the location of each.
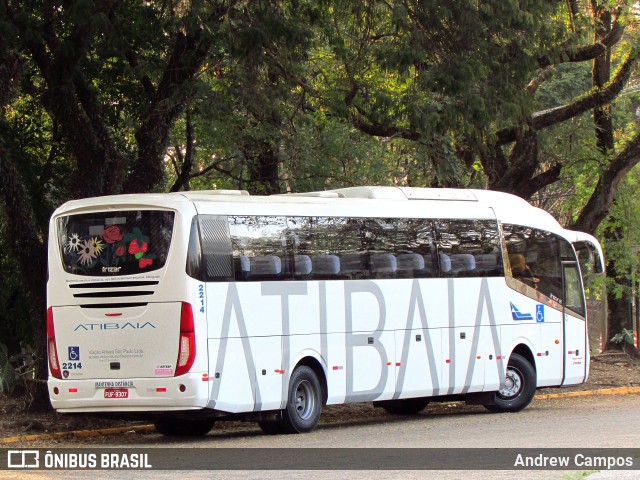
(115, 242)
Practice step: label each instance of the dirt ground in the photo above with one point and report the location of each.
(607, 370)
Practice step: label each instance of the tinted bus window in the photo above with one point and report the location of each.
(259, 247)
(402, 248)
(283, 248)
(589, 258)
(573, 291)
(469, 248)
(115, 243)
(535, 259)
(329, 247)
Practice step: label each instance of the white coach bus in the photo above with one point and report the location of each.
(191, 307)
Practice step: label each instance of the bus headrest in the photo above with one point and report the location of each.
(302, 264)
(266, 265)
(324, 264)
(383, 263)
(407, 262)
(462, 262)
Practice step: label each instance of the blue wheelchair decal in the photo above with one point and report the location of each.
(540, 313)
(74, 354)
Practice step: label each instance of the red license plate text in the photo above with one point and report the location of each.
(116, 393)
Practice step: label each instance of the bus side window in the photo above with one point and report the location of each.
(471, 248)
(260, 248)
(588, 257)
(535, 258)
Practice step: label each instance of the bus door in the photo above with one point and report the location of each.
(576, 348)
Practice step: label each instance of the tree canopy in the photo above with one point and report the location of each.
(116, 96)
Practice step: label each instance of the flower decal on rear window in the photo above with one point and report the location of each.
(87, 253)
(112, 234)
(115, 244)
(138, 247)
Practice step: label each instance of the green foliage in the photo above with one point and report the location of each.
(622, 243)
(289, 96)
(16, 369)
(16, 319)
(433, 67)
(8, 375)
(624, 337)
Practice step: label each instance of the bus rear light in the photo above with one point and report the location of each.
(52, 353)
(187, 345)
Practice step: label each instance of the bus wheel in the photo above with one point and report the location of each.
(407, 406)
(183, 427)
(519, 387)
(304, 403)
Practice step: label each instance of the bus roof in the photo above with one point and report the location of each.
(507, 207)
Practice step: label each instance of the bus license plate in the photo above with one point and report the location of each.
(116, 393)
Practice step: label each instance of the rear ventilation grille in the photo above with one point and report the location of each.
(130, 293)
(140, 283)
(113, 305)
(106, 291)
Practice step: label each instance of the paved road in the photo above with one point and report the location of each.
(583, 422)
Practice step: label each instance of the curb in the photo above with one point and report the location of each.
(590, 393)
(149, 428)
(78, 434)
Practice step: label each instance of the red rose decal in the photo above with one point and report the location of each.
(120, 251)
(112, 234)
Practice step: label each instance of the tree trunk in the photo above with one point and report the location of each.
(264, 178)
(30, 250)
(184, 170)
(619, 315)
(601, 75)
(189, 52)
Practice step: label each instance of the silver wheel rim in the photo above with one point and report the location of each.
(513, 384)
(305, 400)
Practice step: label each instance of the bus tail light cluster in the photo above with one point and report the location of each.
(52, 353)
(187, 345)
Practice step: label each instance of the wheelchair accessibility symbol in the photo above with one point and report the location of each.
(74, 354)
(539, 313)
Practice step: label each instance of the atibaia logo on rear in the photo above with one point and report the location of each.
(114, 326)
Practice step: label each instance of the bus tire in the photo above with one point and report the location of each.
(304, 402)
(183, 427)
(407, 406)
(519, 388)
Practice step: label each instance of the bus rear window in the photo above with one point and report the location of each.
(115, 242)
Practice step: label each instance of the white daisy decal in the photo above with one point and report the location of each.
(87, 252)
(74, 242)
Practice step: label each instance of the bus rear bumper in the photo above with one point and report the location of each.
(186, 392)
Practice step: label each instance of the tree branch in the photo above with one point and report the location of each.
(182, 182)
(190, 49)
(602, 197)
(216, 166)
(587, 52)
(597, 97)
